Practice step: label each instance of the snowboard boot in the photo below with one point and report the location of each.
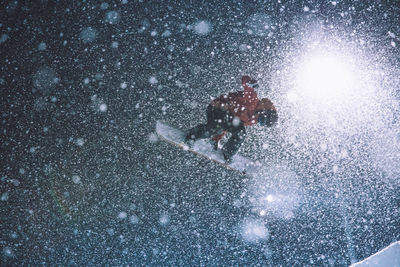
(215, 144)
(228, 158)
(189, 140)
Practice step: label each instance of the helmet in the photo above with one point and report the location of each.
(245, 79)
(267, 117)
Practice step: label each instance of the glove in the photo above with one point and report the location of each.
(267, 118)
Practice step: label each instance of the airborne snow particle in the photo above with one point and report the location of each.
(335, 169)
(236, 121)
(98, 76)
(253, 230)
(153, 80)
(112, 17)
(22, 171)
(80, 142)
(244, 47)
(40, 104)
(260, 24)
(4, 196)
(110, 231)
(164, 219)
(166, 34)
(164, 109)
(45, 78)
(114, 44)
(180, 84)
(103, 107)
(202, 27)
(88, 34)
(42, 46)
(15, 182)
(153, 138)
(123, 85)
(8, 252)
(344, 154)
(122, 215)
(76, 179)
(104, 6)
(270, 198)
(155, 251)
(134, 219)
(14, 235)
(3, 38)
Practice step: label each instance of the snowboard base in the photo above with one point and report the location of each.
(205, 149)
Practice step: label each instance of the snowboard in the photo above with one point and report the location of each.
(205, 149)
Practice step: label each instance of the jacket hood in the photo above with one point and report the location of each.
(245, 79)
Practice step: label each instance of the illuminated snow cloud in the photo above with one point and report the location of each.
(329, 93)
(164, 219)
(134, 219)
(98, 104)
(202, 27)
(253, 230)
(260, 24)
(112, 17)
(3, 38)
(385, 151)
(8, 252)
(153, 138)
(333, 96)
(42, 46)
(88, 34)
(276, 194)
(45, 79)
(122, 215)
(153, 80)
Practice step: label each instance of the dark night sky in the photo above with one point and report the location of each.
(85, 181)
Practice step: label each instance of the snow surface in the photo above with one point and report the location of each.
(387, 257)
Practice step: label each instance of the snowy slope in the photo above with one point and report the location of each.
(389, 256)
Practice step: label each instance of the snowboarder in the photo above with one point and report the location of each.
(231, 113)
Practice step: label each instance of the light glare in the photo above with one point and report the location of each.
(325, 78)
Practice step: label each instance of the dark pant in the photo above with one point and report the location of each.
(218, 121)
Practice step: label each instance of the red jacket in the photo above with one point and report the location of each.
(243, 104)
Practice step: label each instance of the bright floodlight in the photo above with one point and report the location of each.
(328, 90)
(325, 77)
